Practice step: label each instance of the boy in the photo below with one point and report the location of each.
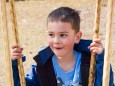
(65, 62)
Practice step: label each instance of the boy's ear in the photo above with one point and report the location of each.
(78, 37)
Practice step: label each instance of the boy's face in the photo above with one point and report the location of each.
(61, 38)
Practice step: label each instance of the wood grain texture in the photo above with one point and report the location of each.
(6, 44)
(108, 44)
(95, 36)
(16, 41)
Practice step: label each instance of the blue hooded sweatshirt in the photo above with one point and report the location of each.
(42, 73)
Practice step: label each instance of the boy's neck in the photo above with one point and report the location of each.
(67, 63)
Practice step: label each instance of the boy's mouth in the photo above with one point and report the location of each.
(58, 48)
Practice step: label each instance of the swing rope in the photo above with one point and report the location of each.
(108, 45)
(6, 44)
(16, 39)
(95, 36)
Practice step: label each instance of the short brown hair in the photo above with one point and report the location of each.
(66, 14)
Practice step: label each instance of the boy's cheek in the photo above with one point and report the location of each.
(50, 42)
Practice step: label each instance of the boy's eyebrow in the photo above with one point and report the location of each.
(64, 32)
(59, 32)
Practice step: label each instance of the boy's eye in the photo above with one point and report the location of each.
(51, 35)
(63, 35)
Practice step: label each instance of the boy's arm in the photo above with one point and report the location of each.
(15, 73)
(99, 71)
(31, 78)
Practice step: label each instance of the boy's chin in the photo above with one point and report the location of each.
(58, 55)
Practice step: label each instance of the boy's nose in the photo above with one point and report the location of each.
(57, 40)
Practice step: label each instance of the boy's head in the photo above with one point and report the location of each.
(63, 26)
(66, 14)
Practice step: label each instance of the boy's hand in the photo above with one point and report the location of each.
(16, 52)
(96, 46)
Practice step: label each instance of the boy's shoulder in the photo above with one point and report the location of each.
(82, 46)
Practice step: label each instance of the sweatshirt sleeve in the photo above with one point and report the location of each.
(31, 77)
(99, 71)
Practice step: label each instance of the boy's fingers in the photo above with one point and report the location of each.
(17, 54)
(15, 46)
(93, 48)
(17, 50)
(96, 50)
(16, 57)
(97, 41)
(94, 45)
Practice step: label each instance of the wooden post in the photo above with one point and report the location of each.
(6, 44)
(16, 39)
(95, 36)
(108, 45)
